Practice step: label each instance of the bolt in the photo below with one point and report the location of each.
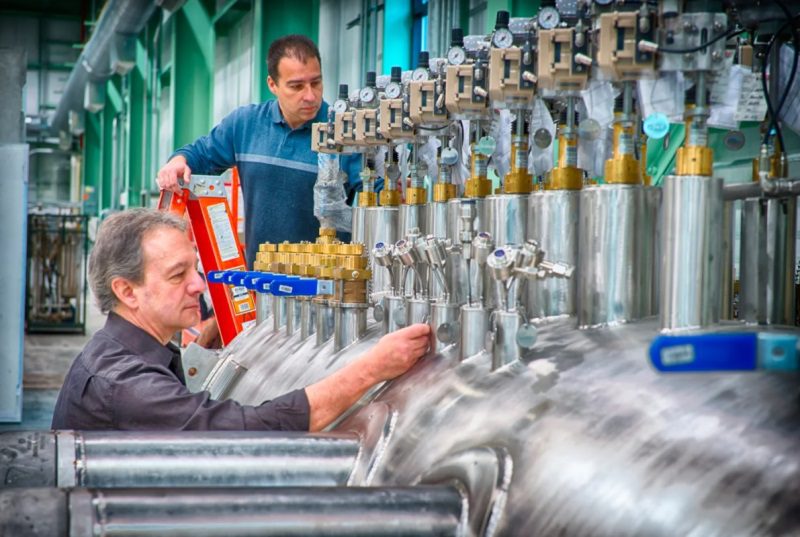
(717, 26)
(716, 56)
(354, 274)
(192, 371)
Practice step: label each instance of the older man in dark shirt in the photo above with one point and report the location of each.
(129, 375)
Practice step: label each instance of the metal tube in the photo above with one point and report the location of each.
(350, 323)
(506, 218)
(293, 315)
(505, 350)
(394, 313)
(307, 318)
(359, 234)
(726, 287)
(474, 327)
(326, 511)
(690, 269)
(278, 312)
(417, 310)
(263, 307)
(443, 322)
(323, 318)
(382, 227)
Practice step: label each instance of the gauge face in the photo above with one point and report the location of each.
(548, 18)
(456, 56)
(418, 75)
(393, 90)
(503, 38)
(366, 95)
(603, 2)
(339, 106)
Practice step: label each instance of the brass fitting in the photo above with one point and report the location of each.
(477, 187)
(389, 198)
(416, 196)
(566, 176)
(518, 180)
(694, 160)
(646, 179)
(367, 199)
(622, 168)
(443, 191)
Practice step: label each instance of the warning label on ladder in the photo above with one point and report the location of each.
(223, 232)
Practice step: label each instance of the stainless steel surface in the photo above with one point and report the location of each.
(279, 313)
(34, 512)
(28, 459)
(412, 217)
(293, 315)
(766, 291)
(394, 313)
(474, 329)
(504, 343)
(506, 218)
(382, 227)
(417, 310)
(651, 249)
(323, 318)
(444, 324)
(727, 237)
(612, 265)
(308, 318)
(359, 234)
(324, 511)
(691, 266)
(349, 324)
(437, 219)
(263, 307)
(553, 222)
(454, 226)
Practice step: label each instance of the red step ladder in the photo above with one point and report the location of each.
(204, 199)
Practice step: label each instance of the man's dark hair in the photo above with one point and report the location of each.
(295, 46)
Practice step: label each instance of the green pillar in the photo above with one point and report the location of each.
(92, 163)
(397, 29)
(137, 142)
(108, 189)
(274, 19)
(192, 72)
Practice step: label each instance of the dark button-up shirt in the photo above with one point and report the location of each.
(126, 379)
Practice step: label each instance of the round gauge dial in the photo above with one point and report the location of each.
(418, 75)
(503, 38)
(393, 90)
(548, 18)
(339, 106)
(456, 56)
(366, 95)
(603, 2)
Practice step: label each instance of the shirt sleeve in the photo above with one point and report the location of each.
(215, 152)
(155, 399)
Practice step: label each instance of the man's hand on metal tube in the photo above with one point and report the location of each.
(392, 356)
(174, 172)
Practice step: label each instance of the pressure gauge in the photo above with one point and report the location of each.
(419, 74)
(502, 38)
(366, 95)
(393, 90)
(339, 106)
(456, 56)
(603, 2)
(548, 18)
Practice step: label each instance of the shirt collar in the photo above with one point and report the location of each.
(140, 341)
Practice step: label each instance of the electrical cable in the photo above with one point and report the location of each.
(727, 35)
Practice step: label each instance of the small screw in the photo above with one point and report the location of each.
(192, 371)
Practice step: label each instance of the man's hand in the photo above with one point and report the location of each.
(173, 170)
(392, 356)
(209, 337)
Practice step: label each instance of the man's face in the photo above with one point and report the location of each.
(298, 89)
(169, 296)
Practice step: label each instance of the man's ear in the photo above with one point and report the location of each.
(124, 291)
(271, 84)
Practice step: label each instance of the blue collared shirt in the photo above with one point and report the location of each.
(277, 170)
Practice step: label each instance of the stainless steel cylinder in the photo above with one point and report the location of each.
(293, 314)
(611, 262)
(349, 324)
(359, 234)
(307, 318)
(382, 226)
(444, 324)
(767, 267)
(474, 327)
(394, 313)
(691, 248)
(454, 216)
(412, 217)
(727, 237)
(652, 248)
(506, 218)
(417, 310)
(323, 318)
(457, 274)
(553, 223)
(436, 218)
(278, 312)
(505, 349)
(263, 307)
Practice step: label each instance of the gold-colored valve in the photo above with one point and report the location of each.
(694, 160)
(623, 168)
(389, 198)
(566, 176)
(416, 196)
(478, 185)
(367, 199)
(518, 180)
(646, 179)
(443, 191)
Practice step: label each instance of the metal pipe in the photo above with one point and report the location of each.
(505, 350)
(443, 322)
(417, 310)
(308, 316)
(293, 315)
(394, 313)
(263, 307)
(278, 312)
(769, 187)
(474, 327)
(325, 511)
(324, 319)
(350, 324)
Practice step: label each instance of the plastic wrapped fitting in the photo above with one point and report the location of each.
(330, 199)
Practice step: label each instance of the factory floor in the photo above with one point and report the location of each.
(47, 358)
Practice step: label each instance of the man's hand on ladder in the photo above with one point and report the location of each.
(174, 174)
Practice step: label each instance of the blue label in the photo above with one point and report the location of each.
(656, 126)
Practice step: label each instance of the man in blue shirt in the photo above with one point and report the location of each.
(270, 143)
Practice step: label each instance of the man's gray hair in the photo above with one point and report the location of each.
(117, 252)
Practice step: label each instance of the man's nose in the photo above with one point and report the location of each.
(308, 93)
(198, 284)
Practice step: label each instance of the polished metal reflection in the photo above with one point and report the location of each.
(307, 318)
(382, 227)
(417, 310)
(505, 349)
(454, 214)
(727, 236)
(691, 252)
(767, 290)
(278, 312)
(474, 329)
(323, 318)
(359, 234)
(349, 324)
(293, 315)
(263, 307)
(394, 313)
(611, 285)
(436, 218)
(553, 223)
(506, 218)
(444, 324)
(412, 217)
(651, 250)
